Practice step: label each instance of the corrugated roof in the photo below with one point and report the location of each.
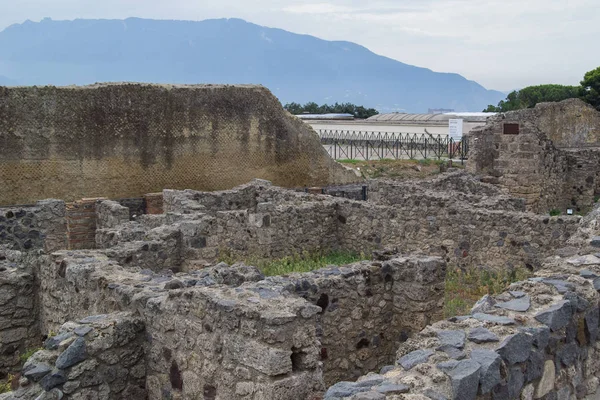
(404, 117)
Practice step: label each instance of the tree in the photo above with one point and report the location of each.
(344, 108)
(528, 97)
(591, 88)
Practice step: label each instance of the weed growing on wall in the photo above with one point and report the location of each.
(465, 287)
(6, 386)
(28, 353)
(555, 213)
(304, 262)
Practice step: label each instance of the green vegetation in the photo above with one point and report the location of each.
(344, 108)
(591, 88)
(304, 262)
(349, 161)
(465, 287)
(555, 213)
(28, 353)
(6, 386)
(588, 91)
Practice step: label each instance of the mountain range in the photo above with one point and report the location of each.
(296, 68)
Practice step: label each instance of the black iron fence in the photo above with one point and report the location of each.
(341, 144)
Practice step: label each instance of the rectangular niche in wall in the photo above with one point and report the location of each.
(511, 129)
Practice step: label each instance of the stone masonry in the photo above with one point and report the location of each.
(151, 313)
(548, 155)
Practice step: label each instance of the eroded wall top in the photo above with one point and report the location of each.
(123, 140)
(570, 123)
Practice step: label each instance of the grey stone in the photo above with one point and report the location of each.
(385, 369)
(489, 374)
(75, 353)
(578, 303)
(515, 348)
(541, 335)
(452, 352)
(587, 274)
(560, 285)
(568, 353)
(433, 395)
(515, 383)
(494, 319)
(535, 366)
(414, 358)
(52, 380)
(464, 376)
(557, 316)
(596, 284)
(368, 396)
(37, 371)
(483, 305)
(83, 330)
(452, 338)
(174, 284)
(520, 304)
(391, 388)
(370, 380)
(52, 342)
(93, 318)
(595, 242)
(344, 389)
(592, 323)
(482, 335)
(517, 294)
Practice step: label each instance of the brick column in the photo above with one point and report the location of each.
(81, 224)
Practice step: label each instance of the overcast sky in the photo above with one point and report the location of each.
(502, 44)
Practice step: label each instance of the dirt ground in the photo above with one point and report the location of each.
(398, 169)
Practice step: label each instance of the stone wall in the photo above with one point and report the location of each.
(40, 226)
(368, 309)
(471, 227)
(538, 340)
(19, 330)
(570, 123)
(97, 357)
(552, 160)
(227, 332)
(124, 140)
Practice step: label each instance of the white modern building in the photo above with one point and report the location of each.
(434, 124)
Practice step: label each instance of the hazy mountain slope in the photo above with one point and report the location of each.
(295, 67)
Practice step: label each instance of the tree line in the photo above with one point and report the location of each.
(588, 91)
(344, 108)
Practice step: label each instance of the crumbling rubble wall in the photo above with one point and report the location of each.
(537, 340)
(476, 225)
(368, 309)
(100, 357)
(124, 140)
(19, 328)
(39, 226)
(231, 333)
(548, 155)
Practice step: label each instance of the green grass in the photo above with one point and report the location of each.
(465, 287)
(304, 262)
(349, 161)
(555, 212)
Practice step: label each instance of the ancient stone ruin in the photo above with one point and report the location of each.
(129, 298)
(548, 155)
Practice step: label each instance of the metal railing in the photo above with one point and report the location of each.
(363, 145)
